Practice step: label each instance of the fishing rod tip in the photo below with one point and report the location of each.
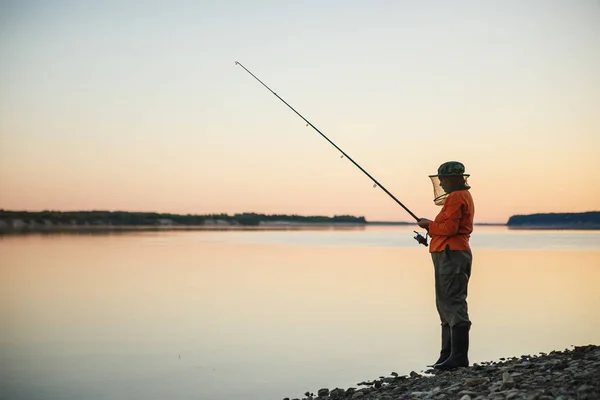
(236, 63)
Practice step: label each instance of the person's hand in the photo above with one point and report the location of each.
(424, 223)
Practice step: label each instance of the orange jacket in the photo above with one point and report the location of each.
(454, 224)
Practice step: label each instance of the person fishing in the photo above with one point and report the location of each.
(449, 247)
(452, 259)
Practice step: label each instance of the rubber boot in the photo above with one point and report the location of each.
(446, 345)
(460, 348)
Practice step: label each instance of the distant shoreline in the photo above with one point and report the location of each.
(589, 220)
(39, 228)
(167, 228)
(123, 221)
(98, 229)
(554, 227)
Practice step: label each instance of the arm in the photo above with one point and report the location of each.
(450, 222)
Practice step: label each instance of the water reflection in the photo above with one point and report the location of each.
(257, 315)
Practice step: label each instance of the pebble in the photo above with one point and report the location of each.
(565, 375)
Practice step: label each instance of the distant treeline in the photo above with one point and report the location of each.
(124, 218)
(583, 220)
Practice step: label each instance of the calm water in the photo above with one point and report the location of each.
(220, 315)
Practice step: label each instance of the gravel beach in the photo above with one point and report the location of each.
(562, 375)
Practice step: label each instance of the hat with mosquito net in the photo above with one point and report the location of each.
(449, 178)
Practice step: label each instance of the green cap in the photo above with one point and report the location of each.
(451, 168)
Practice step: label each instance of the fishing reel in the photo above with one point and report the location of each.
(421, 239)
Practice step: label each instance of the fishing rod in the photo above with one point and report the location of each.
(422, 240)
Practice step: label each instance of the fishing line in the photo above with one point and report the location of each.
(419, 238)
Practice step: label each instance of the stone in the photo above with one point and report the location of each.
(495, 387)
(420, 394)
(584, 388)
(507, 381)
(398, 390)
(476, 381)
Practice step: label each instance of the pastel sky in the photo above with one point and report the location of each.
(138, 106)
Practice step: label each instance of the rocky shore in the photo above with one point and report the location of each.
(562, 375)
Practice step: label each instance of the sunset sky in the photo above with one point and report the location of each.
(138, 106)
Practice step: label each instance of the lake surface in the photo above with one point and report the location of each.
(266, 314)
